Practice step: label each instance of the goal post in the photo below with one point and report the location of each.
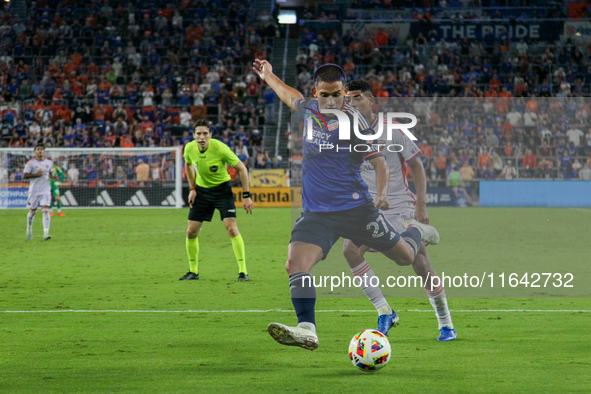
(100, 177)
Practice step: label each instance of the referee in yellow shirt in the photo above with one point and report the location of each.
(210, 190)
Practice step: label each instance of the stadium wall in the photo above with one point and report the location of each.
(535, 194)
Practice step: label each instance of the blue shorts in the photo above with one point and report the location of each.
(364, 225)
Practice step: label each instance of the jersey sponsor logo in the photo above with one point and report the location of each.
(138, 199)
(213, 168)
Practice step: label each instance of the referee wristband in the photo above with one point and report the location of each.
(245, 194)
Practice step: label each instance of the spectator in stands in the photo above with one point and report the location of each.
(261, 159)
(585, 173)
(467, 172)
(509, 172)
(529, 163)
(575, 135)
(73, 174)
(255, 140)
(565, 163)
(241, 151)
(496, 163)
(142, 172)
(185, 117)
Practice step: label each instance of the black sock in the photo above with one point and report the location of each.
(303, 296)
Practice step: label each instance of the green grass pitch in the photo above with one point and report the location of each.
(99, 308)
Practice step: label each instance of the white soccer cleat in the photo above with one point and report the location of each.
(29, 233)
(293, 336)
(429, 233)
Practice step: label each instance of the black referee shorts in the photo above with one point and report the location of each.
(209, 199)
(364, 225)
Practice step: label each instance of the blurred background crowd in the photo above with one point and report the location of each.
(110, 73)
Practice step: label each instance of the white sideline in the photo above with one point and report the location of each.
(291, 311)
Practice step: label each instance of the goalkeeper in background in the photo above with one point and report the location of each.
(54, 182)
(210, 190)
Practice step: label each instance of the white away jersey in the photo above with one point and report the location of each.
(39, 185)
(399, 195)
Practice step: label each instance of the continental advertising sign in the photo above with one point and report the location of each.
(268, 178)
(271, 197)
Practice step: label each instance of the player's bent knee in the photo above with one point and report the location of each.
(233, 231)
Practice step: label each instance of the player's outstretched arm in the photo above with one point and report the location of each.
(265, 71)
(243, 172)
(382, 182)
(418, 172)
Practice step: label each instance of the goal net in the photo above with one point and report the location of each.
(100, 177)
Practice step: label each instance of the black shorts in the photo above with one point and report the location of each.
(209, 199)
(363, 225)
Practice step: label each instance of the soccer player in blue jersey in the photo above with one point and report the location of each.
(335, 198)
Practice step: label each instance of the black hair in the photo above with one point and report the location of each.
(329, 73)
(201, 123)
(40, 144)
(362, 85)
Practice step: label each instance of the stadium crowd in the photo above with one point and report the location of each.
(113, 74)
(529, 105)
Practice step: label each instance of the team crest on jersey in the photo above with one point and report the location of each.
(333, 125)
(355, 196)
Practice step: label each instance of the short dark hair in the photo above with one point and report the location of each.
(40, 144)
(329, 73)
(361, 84)
(201, 123)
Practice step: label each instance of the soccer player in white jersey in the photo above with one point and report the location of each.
(405, 209)
(39, 170)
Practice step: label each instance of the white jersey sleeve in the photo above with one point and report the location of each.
(398, 152)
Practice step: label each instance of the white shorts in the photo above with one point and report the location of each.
(397, 216)
(33, 202)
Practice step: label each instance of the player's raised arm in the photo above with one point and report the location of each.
(382, 182)
(246, 199)
(265, 71)
(418, 172)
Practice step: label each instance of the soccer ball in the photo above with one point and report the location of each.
(370, 350)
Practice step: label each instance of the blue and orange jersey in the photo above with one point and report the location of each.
(331, 177)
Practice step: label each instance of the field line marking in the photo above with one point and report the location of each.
(289, 311)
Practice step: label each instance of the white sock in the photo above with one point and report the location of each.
(439, 303)
(30, 218)
(374, 294)
(308, 326)
(46, 221)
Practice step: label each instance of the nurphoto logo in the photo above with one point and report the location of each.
(344, 126)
